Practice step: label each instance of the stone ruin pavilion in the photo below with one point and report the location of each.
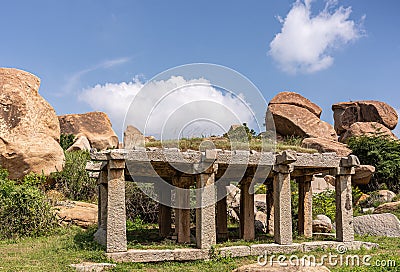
(208, 169)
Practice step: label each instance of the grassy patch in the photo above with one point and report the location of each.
(73, 245)
(185, 144)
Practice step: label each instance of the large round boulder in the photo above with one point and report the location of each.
(95, 126)
(292, 98)
(347, 113)
(291, 120)
(326, 145)
(29, 128)
(366, 129)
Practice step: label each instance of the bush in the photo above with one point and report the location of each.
(74, 181)
(24, 210)
(66, 140)
(383, 153)
(139, 205)
(325, 203)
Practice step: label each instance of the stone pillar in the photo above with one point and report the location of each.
(305, 206)
(164, 211)
(247, 231)
(282, 205)
(116, 212)
(222, 216)
(182, 213)
(101, 235)
(344, 206)
(270, 204)
(205, 214)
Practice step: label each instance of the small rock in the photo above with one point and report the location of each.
(386, 195)
(79, 213)
(92, 267)
(385, 224)
(260, 222)
(321, 226)
(80, 143)
(388, 207)
(260, 201)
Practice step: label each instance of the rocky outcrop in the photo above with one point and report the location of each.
(326, 145)
(133, 138)
(292, 98)
(80, 143)
(95, 126)
(363, 174)
(79, 213)
(29, 129)
(292, 120)
(385, 224)
(348, 113)
(367, 129)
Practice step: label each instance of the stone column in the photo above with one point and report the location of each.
(205, 214)
(305, 206)
(116, 212)
(344, 206)
(247, 231)
(182, 213)
(101, 235)
(282, 205)
(164, 211)
(270, 204)
(222, 216)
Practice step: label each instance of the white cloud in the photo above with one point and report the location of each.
(306, 42)
(176, 106)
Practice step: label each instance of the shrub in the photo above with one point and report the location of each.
(74, 181)
(24, 210)
(383, 153)
(139, 204)
(66, 140)
(325, 203)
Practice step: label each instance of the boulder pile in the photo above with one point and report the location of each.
(364, 118)
(295, 115)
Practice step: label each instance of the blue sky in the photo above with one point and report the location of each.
(75, 45)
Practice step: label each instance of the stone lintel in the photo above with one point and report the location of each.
(286, 157)
(349, 161)
(99, 156)
(95, 166)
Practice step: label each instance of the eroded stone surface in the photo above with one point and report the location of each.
(29, 129)
(95, 126)
(292, 98)
(293, 120)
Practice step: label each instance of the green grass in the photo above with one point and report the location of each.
(73, 245)
(185, 144)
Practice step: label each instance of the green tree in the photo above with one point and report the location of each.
(383, 153)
